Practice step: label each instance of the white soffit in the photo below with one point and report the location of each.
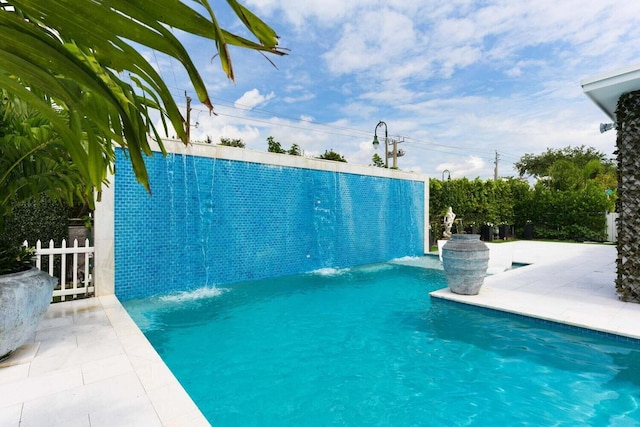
(605, 89)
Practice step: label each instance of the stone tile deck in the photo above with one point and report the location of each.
(565, 282)
(89, 364)
(92, 367)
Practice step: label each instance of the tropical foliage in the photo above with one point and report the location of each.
(332, 155)
(274, 146)
(34, 160)
(377, 161)
(53, 58)
(75, 84)
(37, 219)
(294, 150)
(576, 213)
(566, 215)
(569, 168)
(235, 142)
(476, 202)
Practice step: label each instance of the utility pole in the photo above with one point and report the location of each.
(495, 169)
(188, 123)
(396, 153)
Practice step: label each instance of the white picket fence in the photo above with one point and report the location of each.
(74, 270)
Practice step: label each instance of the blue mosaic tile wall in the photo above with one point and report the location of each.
(214, 222)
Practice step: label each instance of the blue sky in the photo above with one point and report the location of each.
(458, 80)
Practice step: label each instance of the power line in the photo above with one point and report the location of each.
(290, 126)
(350, 132)
(347, 132)
(243, 107)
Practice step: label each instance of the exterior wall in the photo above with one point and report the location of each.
(221, 215)
(103, 241)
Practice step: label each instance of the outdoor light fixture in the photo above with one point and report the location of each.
(607, 126)
(386, 142)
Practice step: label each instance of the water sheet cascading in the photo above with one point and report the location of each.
(217, 221)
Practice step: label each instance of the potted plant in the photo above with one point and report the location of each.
(486, 232)
(25, 294)
(528, 230)
(32, 165)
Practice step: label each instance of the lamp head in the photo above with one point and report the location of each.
(375, 141)
(606, 126)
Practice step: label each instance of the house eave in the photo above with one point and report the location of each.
(605, 89)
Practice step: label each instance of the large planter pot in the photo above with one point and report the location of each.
(486, 233)
(465, 259)
(528, 231)
(24, 299)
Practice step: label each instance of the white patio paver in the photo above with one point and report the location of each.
(93, 366)
(566, 282)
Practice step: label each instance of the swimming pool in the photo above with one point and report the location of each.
(367, 346)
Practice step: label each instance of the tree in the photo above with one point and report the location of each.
(572, 169)
(274, 146)
(228, 142)
(565, 175)
(332, 155)
(538, 165)
(377, 161)
(54, 58)
(294, 150)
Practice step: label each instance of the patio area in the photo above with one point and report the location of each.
(89, 365)
(570, 283)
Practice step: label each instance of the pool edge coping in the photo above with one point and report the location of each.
(446, 295)
(160, 384)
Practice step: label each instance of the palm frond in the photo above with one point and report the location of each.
(74, 52)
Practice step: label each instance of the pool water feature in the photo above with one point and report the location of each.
(368, 346)
(215, 221)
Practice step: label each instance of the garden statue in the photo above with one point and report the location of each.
(448, 223)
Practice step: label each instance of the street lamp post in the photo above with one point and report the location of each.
(386, 142)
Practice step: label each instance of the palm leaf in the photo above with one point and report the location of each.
(51, 47)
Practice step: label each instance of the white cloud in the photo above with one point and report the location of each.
(469, 167)
(375, 39)
(325, 12)
(304, 96)
(253, 98)
(461, 78)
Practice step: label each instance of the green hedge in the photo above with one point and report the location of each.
(565, 215)
(36, 220)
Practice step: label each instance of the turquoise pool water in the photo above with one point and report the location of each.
(368, 347)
